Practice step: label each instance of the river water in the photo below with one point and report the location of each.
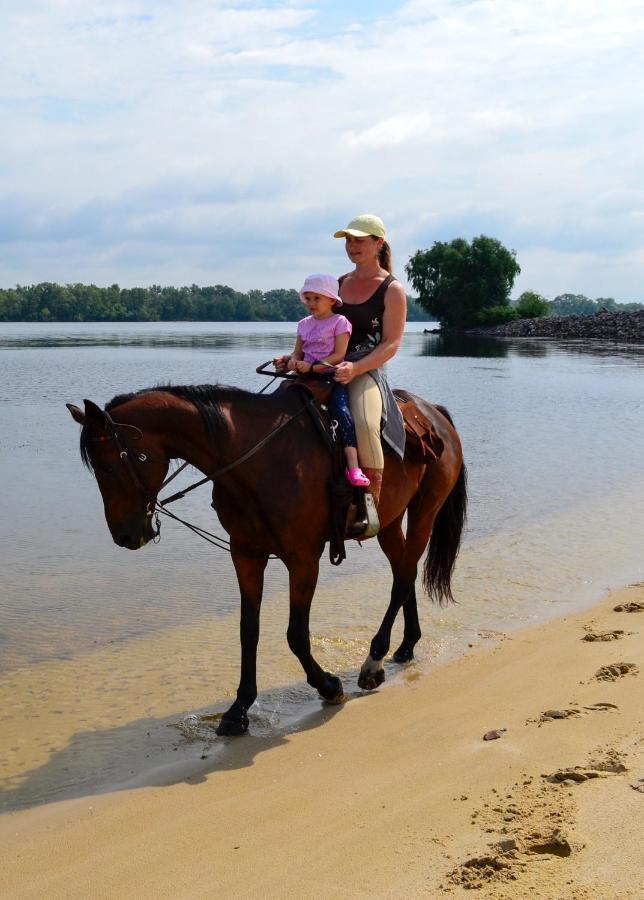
(102, 649)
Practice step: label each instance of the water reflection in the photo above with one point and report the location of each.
(462, 345)
(476, 346)
(191, 341)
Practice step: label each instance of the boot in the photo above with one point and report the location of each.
(375, 477)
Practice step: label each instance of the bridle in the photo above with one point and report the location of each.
(127, 457)
(153, 507)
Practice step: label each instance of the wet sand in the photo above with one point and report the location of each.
(393, 793)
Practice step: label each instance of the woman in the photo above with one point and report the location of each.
(376, 306)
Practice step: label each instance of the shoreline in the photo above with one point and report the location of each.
(395, 793)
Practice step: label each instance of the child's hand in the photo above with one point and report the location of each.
(303, 367)
(281, 363)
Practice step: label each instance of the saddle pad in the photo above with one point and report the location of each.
(422, 440)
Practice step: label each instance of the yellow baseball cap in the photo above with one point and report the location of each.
(363, 226)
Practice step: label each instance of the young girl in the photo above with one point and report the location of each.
(322, 341)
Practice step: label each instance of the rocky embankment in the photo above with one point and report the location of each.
(620, 326)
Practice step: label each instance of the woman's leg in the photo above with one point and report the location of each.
(366, 408)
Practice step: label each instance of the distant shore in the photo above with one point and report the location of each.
(517, 770)
(608, 326)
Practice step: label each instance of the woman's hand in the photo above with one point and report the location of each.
(345, 372)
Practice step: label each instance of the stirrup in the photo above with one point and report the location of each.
(369, 524)
(373, 522)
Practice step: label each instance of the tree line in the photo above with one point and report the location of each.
(48, 302)
(460, 283)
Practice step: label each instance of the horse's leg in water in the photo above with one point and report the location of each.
(392, 542)
(250, 575)
(403, 553)
(303, 577)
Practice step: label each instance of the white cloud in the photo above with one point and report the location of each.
(172, 125)
(390, 132)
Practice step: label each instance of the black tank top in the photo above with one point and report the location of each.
(366, 318)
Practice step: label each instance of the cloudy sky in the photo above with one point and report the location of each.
(149, 141)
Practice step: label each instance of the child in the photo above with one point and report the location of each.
(322, 341)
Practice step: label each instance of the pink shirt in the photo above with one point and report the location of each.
(318, 335)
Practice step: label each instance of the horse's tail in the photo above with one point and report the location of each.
(445, 539)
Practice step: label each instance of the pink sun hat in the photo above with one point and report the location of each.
(327, 285)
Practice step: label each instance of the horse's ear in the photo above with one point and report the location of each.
(77, 414)
(94, 412)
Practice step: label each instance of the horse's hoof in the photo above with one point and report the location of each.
(404, 654)
(369, 681)
(331, 688)
(233, 725)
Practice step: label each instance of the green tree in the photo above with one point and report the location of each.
(458, 281)
(531, 305)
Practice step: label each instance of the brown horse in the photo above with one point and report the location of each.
(275, 501)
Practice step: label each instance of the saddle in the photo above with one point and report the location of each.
(422, 442)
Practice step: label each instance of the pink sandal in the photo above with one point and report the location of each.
(356, 477)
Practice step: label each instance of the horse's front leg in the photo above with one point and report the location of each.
(303, 577)
(250, 575)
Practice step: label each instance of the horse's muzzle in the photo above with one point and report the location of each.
(130, 541)
(135, 534)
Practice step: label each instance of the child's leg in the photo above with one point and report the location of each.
(339, 408)
(351, 456)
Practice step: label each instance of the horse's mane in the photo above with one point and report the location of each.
(206, 397)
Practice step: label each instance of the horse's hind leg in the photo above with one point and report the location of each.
(303, 578)
(392, 541)
(420, 521)
(250, 575)
(412, 632)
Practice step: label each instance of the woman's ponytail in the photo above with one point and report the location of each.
(384, 257)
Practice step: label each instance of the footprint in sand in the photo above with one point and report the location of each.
(609, 763)
(631, 607)
(603, 635)
(615, 671)
(507, 860)
(551, 714)
(576, 774)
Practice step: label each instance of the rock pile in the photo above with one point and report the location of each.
(608, 326)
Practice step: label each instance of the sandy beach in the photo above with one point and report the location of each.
(393, 793)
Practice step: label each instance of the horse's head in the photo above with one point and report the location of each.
(129, 466)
